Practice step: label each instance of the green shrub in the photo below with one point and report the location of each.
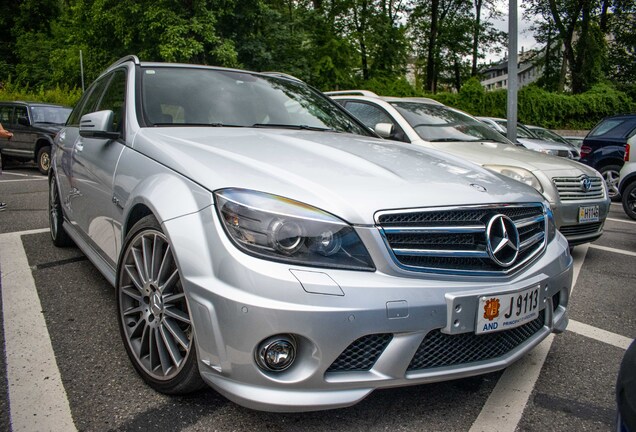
(58, 95)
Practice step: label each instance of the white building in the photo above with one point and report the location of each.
(496, 76)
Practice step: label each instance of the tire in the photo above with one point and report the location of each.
(56, 218)
(44, 159)
(610, 174)
(629, 200)
(153, 314)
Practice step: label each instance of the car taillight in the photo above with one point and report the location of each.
(585, 150)
(627, 152)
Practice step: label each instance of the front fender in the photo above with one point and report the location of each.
(140, 181)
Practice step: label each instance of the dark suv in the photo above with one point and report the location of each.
(33, 125)
(604, 147)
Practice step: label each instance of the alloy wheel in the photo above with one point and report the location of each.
(153, 309)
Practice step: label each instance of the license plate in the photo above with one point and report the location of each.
(588, 214)
(506, 311)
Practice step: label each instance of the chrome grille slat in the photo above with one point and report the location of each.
(452, 240)
(570, 189)
(436, 230)
(532, 240)
(441, 253)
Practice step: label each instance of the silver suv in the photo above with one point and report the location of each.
(576, 192)
(262, 241)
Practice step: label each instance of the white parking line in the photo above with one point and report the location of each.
(599, 334)
(505, 405)
(18, 174)
(621, 220)
(37, 398)
(609, 249)
(23, 180)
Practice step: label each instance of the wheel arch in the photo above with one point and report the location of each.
(629, 179)
(42, 141)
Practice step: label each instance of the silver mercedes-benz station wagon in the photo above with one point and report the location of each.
(262, 241)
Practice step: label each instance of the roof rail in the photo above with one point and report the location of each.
(282, 75)
(123, 60)
(352, 93)
(422, 99)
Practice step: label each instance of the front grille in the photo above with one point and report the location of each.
(453, 240)
(571, 188)
(582, 229)
(439, 349)
(362, 354)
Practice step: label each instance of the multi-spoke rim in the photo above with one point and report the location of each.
(611, 178)
(153, 308)
(631, 200)
(53, 212)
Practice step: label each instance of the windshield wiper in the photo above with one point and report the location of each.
(198, 124)
(445, 140)
(291, 126)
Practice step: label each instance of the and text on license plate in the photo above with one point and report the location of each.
(589, 214)
(506, 311)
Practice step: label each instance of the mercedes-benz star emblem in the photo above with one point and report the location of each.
(502, 240)
(586, 184)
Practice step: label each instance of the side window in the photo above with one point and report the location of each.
(20, 111)
(114, 97)
(5, 114)
(371, 115)
(89, 101)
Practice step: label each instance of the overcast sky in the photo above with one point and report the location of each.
(525, 38)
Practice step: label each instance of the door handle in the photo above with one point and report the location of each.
(79, 147)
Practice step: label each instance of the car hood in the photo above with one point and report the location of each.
(548, 145)
(48, 127)
(350, 176)
(492, 153)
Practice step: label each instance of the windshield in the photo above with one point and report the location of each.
(438, 123)
(50, 114)
(548, 135)
(177, 96)
(522, 131)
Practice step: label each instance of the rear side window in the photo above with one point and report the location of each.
(606, 126)
(5, 114)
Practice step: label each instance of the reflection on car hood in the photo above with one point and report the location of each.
(491, 153)
(548, 145)
(48, 127)
(348, 175)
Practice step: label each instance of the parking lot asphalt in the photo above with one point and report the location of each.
(573, 388)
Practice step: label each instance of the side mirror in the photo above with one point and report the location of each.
(385, 130)
(98, 125)
(24, 121)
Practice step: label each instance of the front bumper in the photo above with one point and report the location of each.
(566, 217)
(237, 301)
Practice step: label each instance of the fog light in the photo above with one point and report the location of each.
(276, 353)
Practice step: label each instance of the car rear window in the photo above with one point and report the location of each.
(608, 127)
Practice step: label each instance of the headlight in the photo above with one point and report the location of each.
(519, 174)
(549, 151)
(279, 229)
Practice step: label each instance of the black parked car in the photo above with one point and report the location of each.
(604, 148)
(33, 125)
